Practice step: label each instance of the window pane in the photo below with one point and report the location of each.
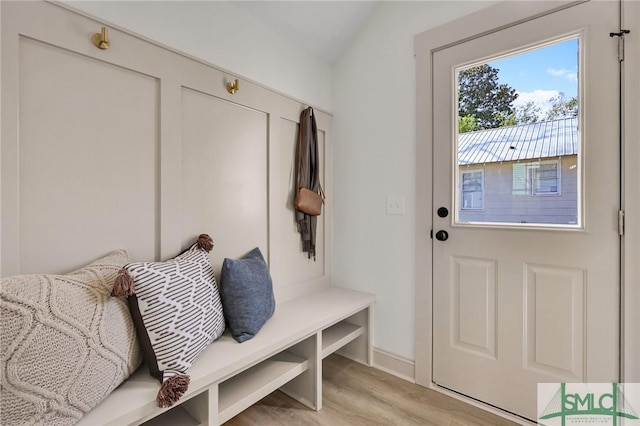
(472, 200)
(518, 138)
(472, 181)
(472, 189)
(546, 179)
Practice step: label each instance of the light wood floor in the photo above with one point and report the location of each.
(354, 394)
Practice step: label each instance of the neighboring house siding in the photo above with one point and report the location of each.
(512, 200)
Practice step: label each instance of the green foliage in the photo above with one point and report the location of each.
(481, 95)
(468, 123)
(506, 120)
(561, 107)
(484, 103)
(528, 113)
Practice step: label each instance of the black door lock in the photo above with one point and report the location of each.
(442, 235)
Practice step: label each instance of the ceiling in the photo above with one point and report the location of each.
(322, 28)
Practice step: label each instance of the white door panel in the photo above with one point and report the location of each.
(517, 305)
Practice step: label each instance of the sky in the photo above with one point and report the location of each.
(540, 74)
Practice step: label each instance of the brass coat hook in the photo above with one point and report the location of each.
(233, 87)
(101, 39)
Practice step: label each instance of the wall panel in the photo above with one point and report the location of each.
(89, 163)
(224, 175)
(292, 265)
(142, 148)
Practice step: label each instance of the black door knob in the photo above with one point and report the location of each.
(442, 235)
(443, 212)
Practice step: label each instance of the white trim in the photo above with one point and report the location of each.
(396, 365)
(631, 205)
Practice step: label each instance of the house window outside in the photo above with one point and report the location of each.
(472, 183)
(545, 177)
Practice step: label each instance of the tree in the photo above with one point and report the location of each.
(468, 123)
(481, 96)
(562, 107)
(528, 113)
(506, 120)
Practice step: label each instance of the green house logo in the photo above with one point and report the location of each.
(588, 404)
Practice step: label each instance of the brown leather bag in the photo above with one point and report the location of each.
(309, 202)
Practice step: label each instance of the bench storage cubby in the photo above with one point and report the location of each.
(228, 377)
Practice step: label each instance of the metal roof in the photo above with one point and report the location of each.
(526, 141)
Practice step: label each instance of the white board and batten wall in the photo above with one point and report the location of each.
(143, 148)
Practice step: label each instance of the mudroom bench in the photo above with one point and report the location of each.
(228, 377)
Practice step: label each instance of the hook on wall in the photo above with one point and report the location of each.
(101, 39)
(233, 87)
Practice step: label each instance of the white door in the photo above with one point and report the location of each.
(516, 304)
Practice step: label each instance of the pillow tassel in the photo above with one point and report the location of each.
(172, 389)
(205, 242)
(123, 285)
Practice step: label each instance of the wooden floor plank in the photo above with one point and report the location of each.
(354, 394)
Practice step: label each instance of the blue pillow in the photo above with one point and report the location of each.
(247, 294)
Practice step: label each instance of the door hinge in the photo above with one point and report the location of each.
(621, 222)
(620, 36)
(620, 49)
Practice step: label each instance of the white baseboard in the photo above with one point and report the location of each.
(396, 365)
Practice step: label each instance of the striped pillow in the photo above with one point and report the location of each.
(176, 308)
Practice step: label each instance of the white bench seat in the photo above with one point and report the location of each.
(228, 376)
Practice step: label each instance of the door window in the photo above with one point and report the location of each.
(519, 121)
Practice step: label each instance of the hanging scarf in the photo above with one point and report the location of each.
(307, 176)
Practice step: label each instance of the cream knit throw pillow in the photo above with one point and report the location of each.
(65, 344)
